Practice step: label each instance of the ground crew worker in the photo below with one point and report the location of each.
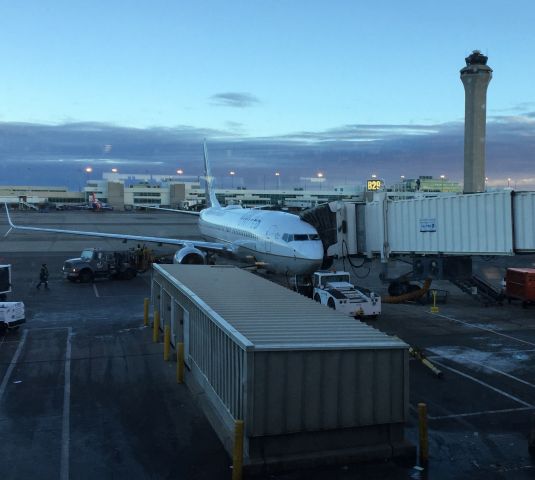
(43, 276)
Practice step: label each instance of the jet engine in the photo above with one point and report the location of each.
(190, 256)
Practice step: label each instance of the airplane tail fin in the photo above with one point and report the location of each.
(211, 199)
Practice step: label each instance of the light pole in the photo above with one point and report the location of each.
(87, 170)
(320, 176)
(278, 175)
(402, 177)
(442, 177)
(508, 182)
(232, 173)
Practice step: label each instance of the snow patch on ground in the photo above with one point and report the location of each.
(478, 360)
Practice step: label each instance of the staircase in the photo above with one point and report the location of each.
(480, 290)
(25, 205)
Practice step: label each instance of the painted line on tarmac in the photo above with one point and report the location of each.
(96, 291)
(512, 377)
(7, 342)
(14, 361)
(48, 328)
(65, 428)
(512, 352)
(483, 328)
(481, 382)
(486, 412)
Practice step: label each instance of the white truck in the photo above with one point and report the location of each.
(5, 281)
(12, 315)
(335, 290)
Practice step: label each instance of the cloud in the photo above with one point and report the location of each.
(234, 99)
(57, 154)
(519, 107)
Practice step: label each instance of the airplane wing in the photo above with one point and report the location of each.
(189, 212)
(209, 246)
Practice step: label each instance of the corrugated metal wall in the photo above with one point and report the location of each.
(374, 227)
(217, 355)
(460, 224)
(220, 359)
(524, 217)
(299, 391)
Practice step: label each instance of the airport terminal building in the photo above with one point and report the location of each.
(131, 191)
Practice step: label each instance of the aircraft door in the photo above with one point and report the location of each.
(269, 238)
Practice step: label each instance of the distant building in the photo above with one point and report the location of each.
(124, 191)
(28, 196)
(426, 183)
(144, 190)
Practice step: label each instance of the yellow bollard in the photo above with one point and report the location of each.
(180, 363)
(434, 308)
(146, 312)
(422, 427)
(156, 327)
(166, 342)
(237, 455)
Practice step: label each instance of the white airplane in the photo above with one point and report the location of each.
(281, 241)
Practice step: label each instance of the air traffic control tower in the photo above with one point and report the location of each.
(476, 78)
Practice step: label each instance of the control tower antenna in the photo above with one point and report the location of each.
(476, 77)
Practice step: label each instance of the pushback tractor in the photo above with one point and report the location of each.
(335, 290)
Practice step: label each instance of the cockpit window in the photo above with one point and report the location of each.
(300, 237)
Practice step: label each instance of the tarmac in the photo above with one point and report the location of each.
(84, 392)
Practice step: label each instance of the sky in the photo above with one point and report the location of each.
(342, 87)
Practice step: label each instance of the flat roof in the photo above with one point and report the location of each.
(268, 315)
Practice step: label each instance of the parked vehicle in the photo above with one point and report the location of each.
(12, 315)
(520, 285)
(96, 263)
(335, 290)
(5, 281)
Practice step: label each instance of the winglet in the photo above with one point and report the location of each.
(9, 217)
(211, 199)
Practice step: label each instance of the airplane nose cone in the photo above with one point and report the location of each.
(312, 251)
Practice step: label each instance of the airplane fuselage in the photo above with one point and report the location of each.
(284, 242)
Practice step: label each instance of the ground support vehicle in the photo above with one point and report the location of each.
(335, 290)
(12, 315)
(5, 281)
(520, 285)
(95, 263)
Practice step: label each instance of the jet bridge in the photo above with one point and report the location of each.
(446, 226)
